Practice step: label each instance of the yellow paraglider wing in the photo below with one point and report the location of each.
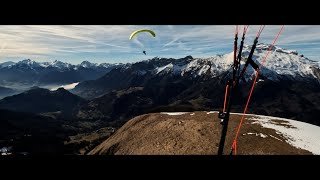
(142, 30)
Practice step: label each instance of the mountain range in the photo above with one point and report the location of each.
(288, 86)
(31, 73)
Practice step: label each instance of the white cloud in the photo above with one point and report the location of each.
(48, 41)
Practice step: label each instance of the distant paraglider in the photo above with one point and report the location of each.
(139, 31)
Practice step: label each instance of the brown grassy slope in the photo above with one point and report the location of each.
(198, 134)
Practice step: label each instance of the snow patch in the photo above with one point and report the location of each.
(212, 112)
(203, 70)
(173, 113)
(275, 137)
(270, 117)
(260, 80)
(192, 114)
(263, 135)
(298, 134)
(257, 134)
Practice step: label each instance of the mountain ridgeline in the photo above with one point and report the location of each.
(56, 72)
(4, 91)
(39, 100)
(288, 87)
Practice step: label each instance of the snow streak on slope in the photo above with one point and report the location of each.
(166, 68)
(298, 134)
(176, 69)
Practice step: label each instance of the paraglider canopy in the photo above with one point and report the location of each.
(142, 30)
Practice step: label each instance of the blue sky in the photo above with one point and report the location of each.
(111, 44)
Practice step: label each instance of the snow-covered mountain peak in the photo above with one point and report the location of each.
(106, 65)
(266, 47)
(60, 64)
(279, 62)
(282, 61)
(87, 64)
(7, 64)
(27, 62)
